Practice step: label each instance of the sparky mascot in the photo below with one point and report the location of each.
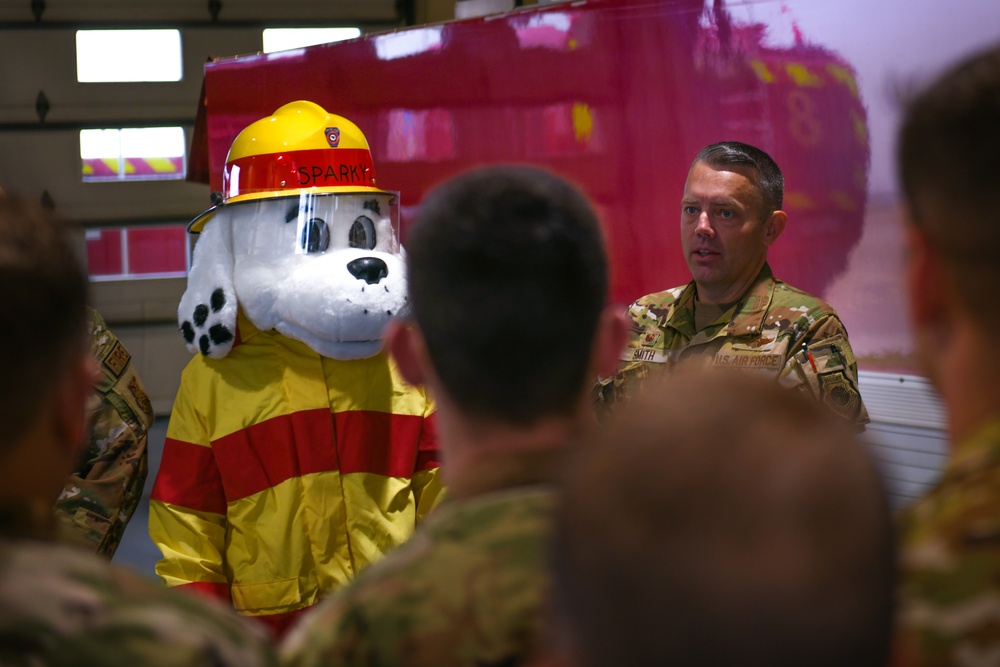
(295, 454)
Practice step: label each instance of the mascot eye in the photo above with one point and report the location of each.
(363, 233)
(315, 236)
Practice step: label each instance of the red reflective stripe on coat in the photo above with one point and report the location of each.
(189, 477)
(428, 452)
(218, 590)
(357, 430)
(264, 455)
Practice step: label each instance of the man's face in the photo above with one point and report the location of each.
(724, 232)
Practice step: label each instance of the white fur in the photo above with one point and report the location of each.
(211, 269)
(311, 297)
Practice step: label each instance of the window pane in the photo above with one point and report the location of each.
(128, 55)
(104, 252)
(145, 153)
(282, 39)
(159, 251)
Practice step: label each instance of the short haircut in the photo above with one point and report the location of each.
(721, 520)
(43, 290)
(768, 179)
(949, 166)
(508, 277)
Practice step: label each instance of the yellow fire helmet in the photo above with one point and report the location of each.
(301, 149)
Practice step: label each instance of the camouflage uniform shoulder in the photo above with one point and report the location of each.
(119, 380)
(60, 605)
(467, 589)
(949, 608)
(787, 297)
(663, 299)
(651, 307)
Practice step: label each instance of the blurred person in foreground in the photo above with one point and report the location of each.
(735, 314)
(59, 604)
(948, 151)
(749, 528)
(508, 282)
(103, 491)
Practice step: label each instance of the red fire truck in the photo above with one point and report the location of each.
(619, 95)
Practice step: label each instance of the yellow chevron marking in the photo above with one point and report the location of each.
(162, 165)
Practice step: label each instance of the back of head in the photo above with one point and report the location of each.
(43, 291)
(508, 277)
(770, 183)
(720, 520)
(949, 161)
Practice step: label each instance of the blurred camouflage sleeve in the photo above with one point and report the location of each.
(311, 644)
(609, 391)
(59, 606)
(948, 609)
(100, 497)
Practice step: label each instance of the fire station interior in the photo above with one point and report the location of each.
(133, 211)
(68, 138)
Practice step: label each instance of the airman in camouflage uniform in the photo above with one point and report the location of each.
(468, 589)
(949, 140)
(60, 605)
(734, 314)
(774, 330)
(100, 497)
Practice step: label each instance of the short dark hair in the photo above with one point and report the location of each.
(769, 181)
(948, 156)
(43, 290)
(750, 527)
(507, 278)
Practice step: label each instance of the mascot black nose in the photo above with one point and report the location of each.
(369, 269)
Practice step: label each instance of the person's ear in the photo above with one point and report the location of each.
(775, 225)
(407, 347)
(927, 283)
(612, 332)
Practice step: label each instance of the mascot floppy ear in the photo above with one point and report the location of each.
(207, 311)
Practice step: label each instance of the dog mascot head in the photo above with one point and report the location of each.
(303, 241)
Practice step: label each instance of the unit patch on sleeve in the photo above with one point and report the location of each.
(117, 359)
(140, 396)
(839, 393)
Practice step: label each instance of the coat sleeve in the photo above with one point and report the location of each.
(820, 361)
(187, 508)
(100, 497)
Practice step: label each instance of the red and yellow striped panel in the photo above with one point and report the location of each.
(264, 455)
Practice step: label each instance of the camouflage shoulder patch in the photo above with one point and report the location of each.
(837, 391)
